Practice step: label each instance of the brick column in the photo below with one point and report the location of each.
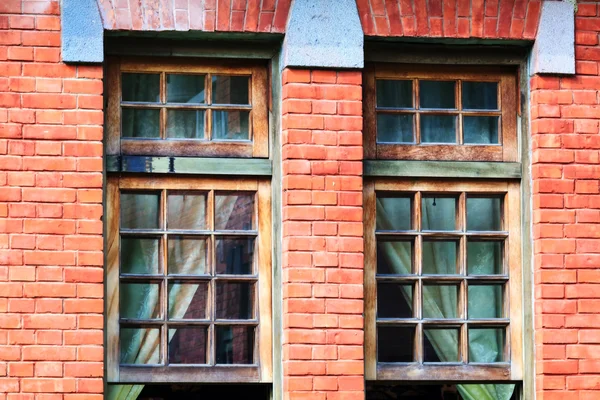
(322, 235)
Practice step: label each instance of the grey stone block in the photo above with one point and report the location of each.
(82, 32)
(554, 48)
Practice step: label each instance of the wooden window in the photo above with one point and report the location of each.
(443, 280)
(203, 109)
(432, 113)
(188, 280)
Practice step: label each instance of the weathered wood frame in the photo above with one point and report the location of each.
(262, 370)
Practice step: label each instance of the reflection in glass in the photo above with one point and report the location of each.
(140, 123)
(438, 128)
(449, 351)
(139, 301)
(394, 300)
(395, 258)
(185, 88)
(395, 128)
(234, 300)
(486, 345)
(437, 94)
(484, 258)
(234, 211)
(393, 213)
(185, 124)
(186, 210)
(480, 130)
(139, 211)
(230, 125)
(440, 301)
(140, 87)
(395, 344)
(480, 95)
(234, 344)
(187, 345)
(230, 89)
(394, 93)
(484, 214)
(440, 257)
(132, 340)
(235, 256)
(485, 301)
(438, 213)
(187, 255)
(139, 255)
(187, 301)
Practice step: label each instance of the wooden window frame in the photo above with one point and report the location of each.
(418, 371)
(257, 147)
(262, 369)
(506, 151)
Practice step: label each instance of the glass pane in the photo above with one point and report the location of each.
(394, 213)
(234, 300)
(484, 258)
(484, 214)
(480, 95)
(486, 345)
(234, 211)
(138, 123)
(440, 257)
(235, 256)
(395, 344)
(438, 129)
(437, 94)
(235, 344)
(187, 255)
(185, 88)
(187, 345)
(139, 255)
(185, 124)
(394, 257)
(395, 128)
(485, 301)
(480, 130)
(139, 301)
(141, 87)
(230, 125)
(438, 213)
(186, 210)
(440, 301)
(396, 94)
(188, 301)
(446, 341)
(133, 340)
(139, 211)
(230, 89)
(394, 300)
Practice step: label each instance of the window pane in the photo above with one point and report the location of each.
(438, 129)
(139, 255)
(188, 301)
(139, 123)
(185, 124)
(394, 213)
(395, 128)
(132, 340)
(394, 257)
(484, 258)
(235, 256)
(480, 95)
(141, 87)
(234, 300)
(480, 130)
(230, 125)
(394, 300)
(187, 345)
(235, 344)
(484, 214)
(393, 93)
(234, 211)
(139, 211)
(485, 301)
(186, 210)
(230, 89)
(185, 88)
(486, 345)
(438, 213)
(447, 345)
(440, 257)
(437, 94)
(139, 301)
(440, 301)
(395, 344)
(187, 255)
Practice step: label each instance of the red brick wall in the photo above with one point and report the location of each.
(51, 293)
(322, 235)
(566, 210)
